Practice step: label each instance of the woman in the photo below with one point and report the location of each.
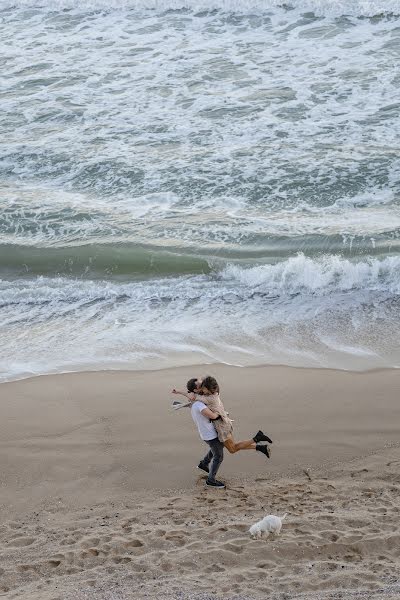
(223, 425)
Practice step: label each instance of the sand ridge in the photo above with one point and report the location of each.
(341, 539)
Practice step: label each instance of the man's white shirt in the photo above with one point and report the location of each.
(204, 425)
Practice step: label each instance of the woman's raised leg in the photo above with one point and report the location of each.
(233, 446)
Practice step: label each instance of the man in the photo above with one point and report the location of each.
(203, 418)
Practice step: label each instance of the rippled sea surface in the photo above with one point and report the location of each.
(199, 182)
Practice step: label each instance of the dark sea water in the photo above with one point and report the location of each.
(199, 182)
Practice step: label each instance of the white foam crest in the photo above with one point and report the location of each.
(298, 275)
(365, 8)
(364, 200)
(366, 214)
(57, 290)
(39, 215)
(45, 217)
(319, 276)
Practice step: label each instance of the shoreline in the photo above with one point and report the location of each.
(196, 365)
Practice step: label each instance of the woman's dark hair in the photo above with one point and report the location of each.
(191, 385)
(211, 384)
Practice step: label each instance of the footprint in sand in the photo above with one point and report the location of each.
(240, 527)
(25, 568)
(352, 557)
(167, 566)
(89, 553)
(218, 569)
(68, 542)
(356, 523)
(54, 563)
(138, 568)
(21, 541)
(233, 548)
(177, 540)
(133, 544)
(160, 532)
(121, 559)
(265, 565)
(106, 538)
(90, 542)
(110, 570)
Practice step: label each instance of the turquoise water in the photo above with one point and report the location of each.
(185, 185)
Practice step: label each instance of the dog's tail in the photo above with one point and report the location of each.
(284, 517)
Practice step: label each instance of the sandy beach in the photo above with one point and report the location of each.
(100, 497)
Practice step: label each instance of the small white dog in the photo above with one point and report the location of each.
(269, 524)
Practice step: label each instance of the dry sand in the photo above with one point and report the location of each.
(99, 497)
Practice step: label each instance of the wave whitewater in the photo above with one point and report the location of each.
(358, 8)
(296, 276)
(320, 276)
(302, 312)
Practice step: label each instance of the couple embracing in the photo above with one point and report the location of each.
(215, 427)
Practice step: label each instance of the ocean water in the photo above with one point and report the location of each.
(198, 182)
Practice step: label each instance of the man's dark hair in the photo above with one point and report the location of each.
(191, 385)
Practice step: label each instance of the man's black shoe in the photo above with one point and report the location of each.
(203, 467)
(261, 437)
(215, 484)
(264, 449)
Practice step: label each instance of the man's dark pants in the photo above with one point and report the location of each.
(215, 456)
